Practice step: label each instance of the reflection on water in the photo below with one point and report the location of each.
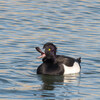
(73, 25)
(49, 81)
(56, 86)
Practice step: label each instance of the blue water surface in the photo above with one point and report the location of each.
(72, 25)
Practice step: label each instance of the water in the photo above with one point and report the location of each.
(73, 25)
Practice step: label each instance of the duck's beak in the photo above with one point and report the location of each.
(42, 56)
(42, 53)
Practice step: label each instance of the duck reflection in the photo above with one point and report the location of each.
(55, 86)
(50, 81)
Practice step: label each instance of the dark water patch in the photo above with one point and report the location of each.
(4, 80)
(2, 28)
(13, 91)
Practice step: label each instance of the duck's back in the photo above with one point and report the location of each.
(69, 64)
(69, 61)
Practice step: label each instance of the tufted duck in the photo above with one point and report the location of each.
(57, 64)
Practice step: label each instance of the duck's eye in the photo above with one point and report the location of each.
(49, 49)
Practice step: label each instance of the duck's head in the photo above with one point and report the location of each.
(50, 50)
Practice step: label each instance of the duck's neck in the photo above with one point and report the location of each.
(49, 60)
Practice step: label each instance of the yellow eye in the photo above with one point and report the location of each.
(49, 49)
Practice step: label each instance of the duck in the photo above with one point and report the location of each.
(54, 64)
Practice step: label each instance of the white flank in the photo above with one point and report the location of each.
(71, 70)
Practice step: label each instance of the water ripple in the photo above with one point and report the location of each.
(73, 25)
